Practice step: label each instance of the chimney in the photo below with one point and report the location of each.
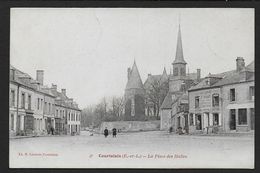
(12, 74)
(198, 74)
(63, 91)
(240, 63)
(149, 74)
(128, 72)
(54, 87)
(39, 76)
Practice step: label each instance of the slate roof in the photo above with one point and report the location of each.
(251, 66)
(167, 102)
(154, 78)
(192, 76)
(179, 51)
(26, 80)
(135, 80)
(226, 78)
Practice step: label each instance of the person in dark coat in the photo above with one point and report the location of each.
(114, 132)
(106, 132)
(52, 130)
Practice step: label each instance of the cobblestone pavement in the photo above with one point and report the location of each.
(155, 149)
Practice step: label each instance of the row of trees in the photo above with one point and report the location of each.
(108, 109)
(111, 108)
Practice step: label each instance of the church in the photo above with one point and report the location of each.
(163, 96)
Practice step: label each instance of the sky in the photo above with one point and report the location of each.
(88, 50)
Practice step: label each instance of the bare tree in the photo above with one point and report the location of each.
(156, 93)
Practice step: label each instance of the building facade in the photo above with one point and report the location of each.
(223, 102)
(33, 106)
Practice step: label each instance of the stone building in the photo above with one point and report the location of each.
(174, 107)
(67, 113)
(134, 96)
(20, 103)
(32, 107)
(224, 102)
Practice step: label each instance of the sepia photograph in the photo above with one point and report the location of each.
(132, 88)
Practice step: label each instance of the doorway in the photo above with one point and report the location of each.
(179, 122)
(232, 124)
(198, 122)
(252, 118)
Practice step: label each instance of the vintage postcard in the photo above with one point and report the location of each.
(132, 88)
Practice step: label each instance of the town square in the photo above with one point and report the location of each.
(132, 150)
(131, 88)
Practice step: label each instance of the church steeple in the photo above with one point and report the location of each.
(179, 64)
(179, 51)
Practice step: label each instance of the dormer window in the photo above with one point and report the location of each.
(207, 81)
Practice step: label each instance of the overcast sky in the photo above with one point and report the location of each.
(87, 50)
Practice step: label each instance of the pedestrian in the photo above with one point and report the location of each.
(52, 130)
(114, 132)
(170, 129)
(106, 132)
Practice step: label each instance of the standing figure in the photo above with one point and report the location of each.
(114, 132)
(52, 130)
(106, 132)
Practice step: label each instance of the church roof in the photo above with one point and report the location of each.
(134, 80)
(179, 51)
(155, 78)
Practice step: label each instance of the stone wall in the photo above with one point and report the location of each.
(131, 126)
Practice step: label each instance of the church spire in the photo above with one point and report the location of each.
(179, 51)
(134, 79)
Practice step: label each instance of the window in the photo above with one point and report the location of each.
(12, 98)
(191, 120)
(252, 92)
(60, 113)
(182, 72)
(23, 100)
(57, 112)
(215, 119)
(215, 100)
(45, 107)
(232, 94)
(41, 104)
(242, 116)
(38, 104)
(29, 102)
(49, 108)
(197, 101)
(175, 72)
(12, 121)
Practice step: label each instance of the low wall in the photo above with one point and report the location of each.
(131, 126)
